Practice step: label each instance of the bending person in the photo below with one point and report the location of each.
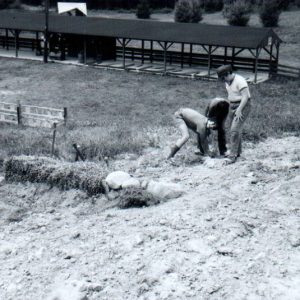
(217, 111)
(189, 119)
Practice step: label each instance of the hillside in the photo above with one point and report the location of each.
(233, 235)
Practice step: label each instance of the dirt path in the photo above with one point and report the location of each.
(233, 235)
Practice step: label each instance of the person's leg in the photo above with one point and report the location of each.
(184, 131)
(236, 131)
(221, 137)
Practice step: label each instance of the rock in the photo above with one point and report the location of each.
(132, 182)
(115, 179)
(165, 190)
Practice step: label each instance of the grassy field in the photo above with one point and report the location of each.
(112, 112)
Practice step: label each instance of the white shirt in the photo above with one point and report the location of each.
(234, 89)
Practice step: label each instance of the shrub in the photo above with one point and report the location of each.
(86, 176)
(237, 12)
(212, 5)
(143, 10)
(188, 11)
(269, 13)
(7, 4)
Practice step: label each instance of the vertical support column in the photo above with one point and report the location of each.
(17, 42)
(151, 51)
(277, 56)
(46, 33)
(143, 52)
(182, 53)
(209, 60)
(270, 61)
(225, 55)
(123, 53)
(6, 39)
(256, 65)
(84, 49)
(165, 57)
(232, 57)
(191, 53)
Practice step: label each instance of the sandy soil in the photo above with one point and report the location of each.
(233, 235)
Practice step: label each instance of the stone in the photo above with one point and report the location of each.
(165, 190)
(132, 182)
(115, 179)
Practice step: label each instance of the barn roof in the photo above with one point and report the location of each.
(202, 34)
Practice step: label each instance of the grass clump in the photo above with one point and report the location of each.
(136, 197)
(64, 175)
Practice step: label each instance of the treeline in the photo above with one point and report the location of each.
(109, 4)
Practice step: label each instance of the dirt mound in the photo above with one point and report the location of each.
(233, 235)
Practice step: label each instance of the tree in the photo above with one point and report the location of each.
(269, 13)
(188, 11)
(237, 12)
(143, 10)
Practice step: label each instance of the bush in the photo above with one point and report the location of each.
(269, 13)
(143, 10)
(212, 5)
(8, 4)
(86, 176)
(188, 11)
(237, 12)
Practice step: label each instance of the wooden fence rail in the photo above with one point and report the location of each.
(30, 115)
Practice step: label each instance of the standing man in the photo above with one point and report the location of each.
(239, 107)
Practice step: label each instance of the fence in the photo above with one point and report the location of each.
(287, 71)
(30, 115)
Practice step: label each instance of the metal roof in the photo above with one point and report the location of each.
(202, 34)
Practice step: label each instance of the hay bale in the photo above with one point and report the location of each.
(136, 197)
(86, 176)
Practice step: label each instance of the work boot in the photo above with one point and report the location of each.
(174, 150)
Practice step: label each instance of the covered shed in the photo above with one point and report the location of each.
(181, 44)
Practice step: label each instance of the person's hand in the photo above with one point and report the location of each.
(239, 115)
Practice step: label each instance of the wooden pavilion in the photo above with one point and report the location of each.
(180, 44)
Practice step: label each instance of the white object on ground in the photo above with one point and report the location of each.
(165, 190)
(116, 179)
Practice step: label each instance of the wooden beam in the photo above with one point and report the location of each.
(84, 49)
(256, 65)
(165, 57)
(191, 53)
(225, 55)
(151, 51)
(232, 57)
(143, 52)
(6, 39)
(270, 61)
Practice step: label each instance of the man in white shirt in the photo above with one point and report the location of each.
(239, 108)
(189, 119)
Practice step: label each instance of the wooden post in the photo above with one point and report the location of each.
(232, 57)
(165, 57)
(182, 51)
(151, 51)
(19, 115)
(84, 50)
(270, 62)
(277, 56)
(46, 33)
(6, 39)
(225, 55)
(209, 58)
(191, 53)
(53, 139)
(123, 45)
(256, 64)
(78, 153)
(143, 52)
(65, 116)
(17, 42)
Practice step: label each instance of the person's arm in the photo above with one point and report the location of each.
(244, 100)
